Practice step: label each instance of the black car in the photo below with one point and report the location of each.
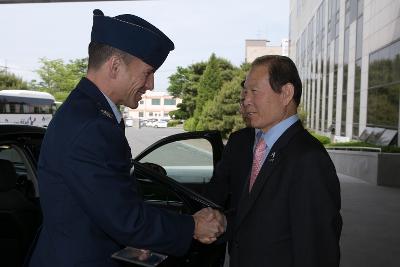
(172, 174)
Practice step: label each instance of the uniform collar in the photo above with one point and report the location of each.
(114, 108)
(88, 88)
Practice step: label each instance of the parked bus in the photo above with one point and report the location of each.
(26, 107)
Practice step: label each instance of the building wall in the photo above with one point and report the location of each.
(335, 45)
(153, 105)
(257, 48)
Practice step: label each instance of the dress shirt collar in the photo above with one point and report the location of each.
(275, 132)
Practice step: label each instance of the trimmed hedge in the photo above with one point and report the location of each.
(323, 139)
(173, 123)
(190, 125)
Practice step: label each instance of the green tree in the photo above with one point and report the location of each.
(190, 124)
(209, 85)
(210, 95)
(222, 113)
(11, 81)
(227, 70)
(178, 114)
(184, 84)
(59, 78)
(179, 81)
(186, 81)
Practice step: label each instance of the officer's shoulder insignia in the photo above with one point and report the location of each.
(106, 113)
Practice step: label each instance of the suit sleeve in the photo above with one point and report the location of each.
(315, 212)
(98, 177)
(218, 189)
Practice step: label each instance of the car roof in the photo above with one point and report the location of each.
(11, 129)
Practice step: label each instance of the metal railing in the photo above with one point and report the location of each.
(355, 148)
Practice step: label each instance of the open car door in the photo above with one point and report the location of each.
(188, 158)
(172, 174)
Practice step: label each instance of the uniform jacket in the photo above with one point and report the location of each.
(292, 215)
(90, 203)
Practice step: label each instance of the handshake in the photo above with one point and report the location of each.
(209, 225)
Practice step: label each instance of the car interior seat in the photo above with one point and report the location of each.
(19, 218)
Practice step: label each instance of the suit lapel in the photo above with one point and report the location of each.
(271, 163)
(247, 156)
(248, 199)
(245, 162)
(88, 88)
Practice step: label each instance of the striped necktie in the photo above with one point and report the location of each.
(259, 155)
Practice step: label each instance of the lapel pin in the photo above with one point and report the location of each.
(272, 157)
(106, 113)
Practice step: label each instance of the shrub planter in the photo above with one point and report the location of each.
(374, 167)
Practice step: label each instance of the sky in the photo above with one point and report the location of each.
(29, 32)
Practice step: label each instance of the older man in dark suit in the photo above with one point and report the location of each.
(90, 204)
(277, 179)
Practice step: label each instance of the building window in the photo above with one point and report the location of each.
(359, 37)
(150, 114)
(333, 19)
(141, 102)
(357, 80)
(170, 102)
(345, 78)
(384, 65)
(140, 114)
(384, 87)
(383, 106)
(155, 101)
(328, 54)
(335, 78)
(356, 110)
(298, 7)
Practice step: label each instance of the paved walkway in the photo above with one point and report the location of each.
(371, 224)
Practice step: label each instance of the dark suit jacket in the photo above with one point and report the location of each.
(90, 203)
(292, 215)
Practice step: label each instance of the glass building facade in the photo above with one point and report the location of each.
(384, 87)
(348, 56)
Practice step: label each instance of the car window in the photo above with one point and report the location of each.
(9, 153)
(26, 182)
(187, 161)
(159, 195)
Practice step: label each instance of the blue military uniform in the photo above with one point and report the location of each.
(90, 203)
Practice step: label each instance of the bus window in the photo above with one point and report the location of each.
(26, 107)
